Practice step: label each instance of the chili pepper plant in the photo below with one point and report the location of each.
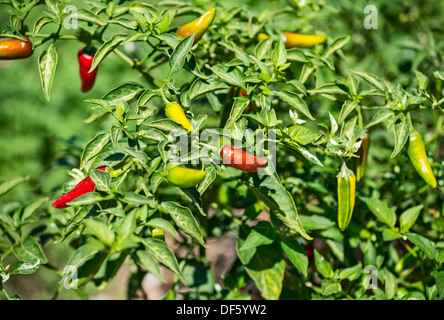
(242, 120)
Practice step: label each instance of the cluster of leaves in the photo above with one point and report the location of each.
(318, 114)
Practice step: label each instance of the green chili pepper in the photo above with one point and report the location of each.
(418, 157)
(346, 196)
(185, 177)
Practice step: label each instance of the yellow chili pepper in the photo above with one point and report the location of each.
(175, 112)
(418, 157)
(346, 196)
(296, 40)
(198, 26)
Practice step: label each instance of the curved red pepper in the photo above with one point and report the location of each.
(85, 62)
(242, 160)
(83, 187)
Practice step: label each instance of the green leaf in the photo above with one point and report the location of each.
(279, 54)
(439, 280)
(201, 87)
(380, 116)
(31, 208)
(94, 147)
(237, 109)
(30, 251)
(101, 230)
(137, 199)
(11, 184)
(162, 224)
(270, 190)
(422, 243)
(39, 23)
(401, 132)
(126, 226)
(75, 222)
(295, 101)
(351, 273)
(126, 91)
(198, 276)
(336, 45)
(371, 79)
(422, 79)
(178, 58)
(47, 67)
(22, 267)
(106, 48)
(231, 75)
(185, 220)
(296, 254)
(391, 284)
(260, 235)
(409, 217)
(381, 210)
(88, 198)
(163, 254)
(347, 107)
(267, 268)
(210, 169)
(145, 260)
(329, 287)
(101, 179)
(88, 16)
(439, 75)
(302, 134)
(323, 266)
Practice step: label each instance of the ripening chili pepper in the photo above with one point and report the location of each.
(242, 160)
(296, 40)
(198, 26)
(158, 234)
(262, 36)
(83, 187)
(85, 61)
(185, 177)
(175, 112)
(12, 49)
(346, 196)
(361, 162)
(418, 157)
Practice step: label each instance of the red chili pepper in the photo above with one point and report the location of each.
(83, 187)
(242, 160)
(85, 62)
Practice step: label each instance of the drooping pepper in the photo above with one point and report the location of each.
(297, 40)
(87, 78)
(185, 177)
(175, 112)
(346, 196)
(239, 159)
(83, 187)
(418, 157)
(361, 162)
(198, 26)
(12, 49)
